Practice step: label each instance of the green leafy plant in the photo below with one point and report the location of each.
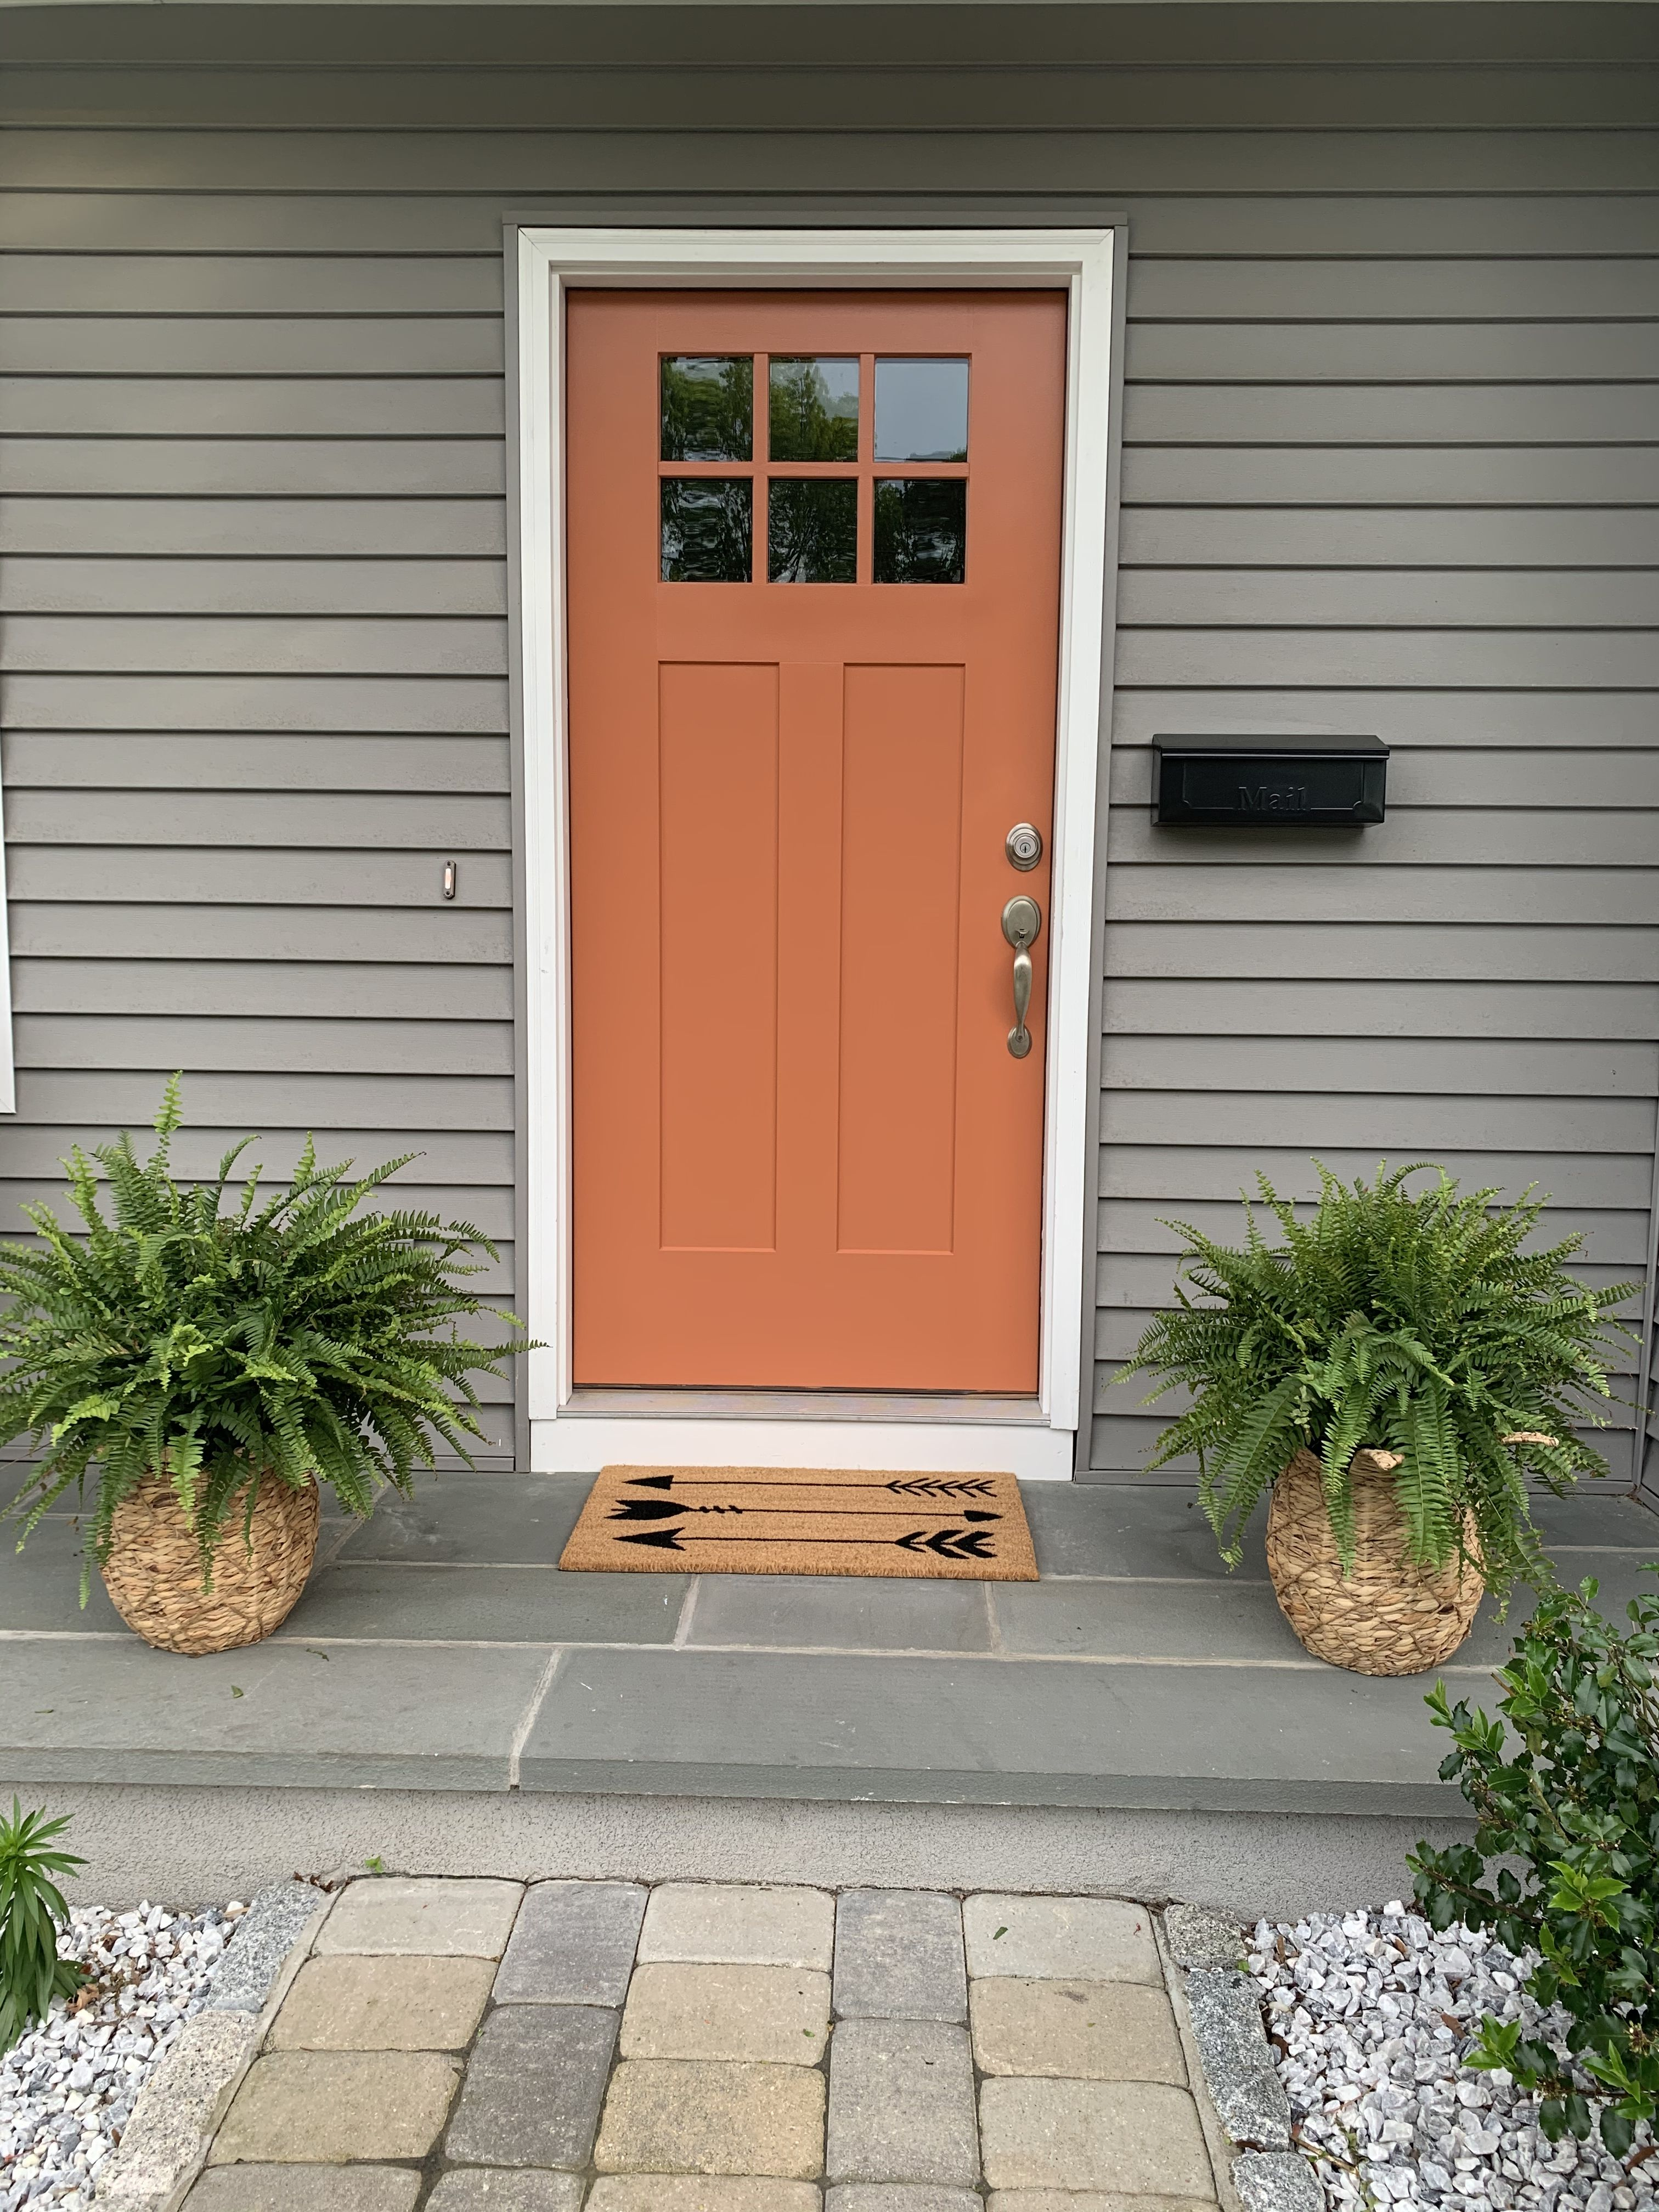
(1409, 1323)
(32, 1911)
(1575, 1801)
(207, 1343)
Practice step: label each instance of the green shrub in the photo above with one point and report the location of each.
(1413, 1323)
(32, 1911)
(297, 1337)
(1576, 1801)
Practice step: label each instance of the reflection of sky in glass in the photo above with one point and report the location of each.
(921, 411)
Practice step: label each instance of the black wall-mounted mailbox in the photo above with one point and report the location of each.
(1299, 779)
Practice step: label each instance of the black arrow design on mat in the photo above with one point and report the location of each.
(946, 1543)
(929, 1487)
(664, 1508)
(917, 1487)
(949, 1543)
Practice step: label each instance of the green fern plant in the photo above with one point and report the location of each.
(1411, 1322)
(209, 1343)
(32, 1911)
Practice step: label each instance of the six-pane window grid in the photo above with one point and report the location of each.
(829, 502)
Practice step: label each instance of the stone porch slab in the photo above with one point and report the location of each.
(439, 1647)
(1221, 1736)
(409, 1716)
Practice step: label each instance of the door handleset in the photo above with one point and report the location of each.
(1022, 917)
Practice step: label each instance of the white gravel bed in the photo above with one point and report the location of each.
(67, 2087)
(1372, 2015)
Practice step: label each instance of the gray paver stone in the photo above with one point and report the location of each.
(304, 2189)
(1090, 2200)
(898, 1956)
(700, 2192)
(1141, 2138)
(336, 2107)
(572, 1943)
(901, 2197)
(173, 2112)
(534, 2086)
(1085, 1939)
(902, 2103)
(739, 1924)
(265, 1935)
(1086, 2031)
(1276, 2181)
(349, 2003)
(499, 2189)
(432, 1915)
(1238, 2068)
(777, 2013)
(1198, 1938)
(707, 2116)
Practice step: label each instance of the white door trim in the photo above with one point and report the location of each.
(563, 1434)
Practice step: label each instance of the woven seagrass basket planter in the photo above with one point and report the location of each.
(1389, 1616)
(153, 1573)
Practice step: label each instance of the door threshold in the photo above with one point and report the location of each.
(803, 1405)
(789, 1429)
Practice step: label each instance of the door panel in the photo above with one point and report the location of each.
(718, 782)
(803, 1154)
(900, 958)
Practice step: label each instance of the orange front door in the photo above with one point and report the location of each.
(814, 562)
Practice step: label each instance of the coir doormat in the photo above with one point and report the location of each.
(802, 1521)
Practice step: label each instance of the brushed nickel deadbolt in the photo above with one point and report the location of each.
(1024, 845)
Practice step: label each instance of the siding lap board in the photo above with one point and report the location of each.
(1391, 464)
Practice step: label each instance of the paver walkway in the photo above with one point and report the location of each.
(482, 2046)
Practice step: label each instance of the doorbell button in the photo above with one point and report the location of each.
(1024, 845)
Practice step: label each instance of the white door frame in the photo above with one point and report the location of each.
(579, 1431)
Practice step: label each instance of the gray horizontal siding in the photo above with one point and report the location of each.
(200, 933)
(1529, 954)
(1174, 1178)
(482, 1160)
(1054, 101)
(1342, 546)
(1215, 156)
(129, 584)
(1391, 225)
(174, 524)
(173, 702)
(1392, 463)
(268, 760)
(341, 990)
(1392, 1125)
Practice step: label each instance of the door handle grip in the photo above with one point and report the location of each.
(1022, 917)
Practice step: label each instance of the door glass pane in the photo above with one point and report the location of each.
(921, 411)
(812, 530)
(708, 530)
(921, 530)
(814, 410)
(707, 407)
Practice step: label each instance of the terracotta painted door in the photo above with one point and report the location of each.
(813, 545)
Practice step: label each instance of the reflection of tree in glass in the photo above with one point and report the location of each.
(922, 530)
(707, 406)
(812, 530)
(706, 524)
(815, 410)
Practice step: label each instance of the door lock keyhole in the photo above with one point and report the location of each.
(1024, 845)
